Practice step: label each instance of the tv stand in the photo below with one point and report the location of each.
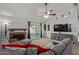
(59, 37)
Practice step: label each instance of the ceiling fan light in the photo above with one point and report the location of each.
(48, 12)
(46, 16)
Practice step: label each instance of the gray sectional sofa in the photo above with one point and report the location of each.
(63, 47)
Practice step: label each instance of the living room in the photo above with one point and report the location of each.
(25, 23)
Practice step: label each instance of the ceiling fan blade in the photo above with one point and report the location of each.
(52, 14)
(42, 14)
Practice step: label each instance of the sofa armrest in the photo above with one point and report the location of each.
(55, 43)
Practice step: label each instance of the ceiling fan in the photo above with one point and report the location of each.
(47, 12)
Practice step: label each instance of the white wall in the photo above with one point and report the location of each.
(71, 19)
(14, 22)
(58, 9)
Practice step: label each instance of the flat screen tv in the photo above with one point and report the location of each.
(62, 28)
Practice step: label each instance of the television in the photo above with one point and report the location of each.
(62, 27)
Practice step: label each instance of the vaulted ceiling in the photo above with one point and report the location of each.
(28, 9)
(32, 10)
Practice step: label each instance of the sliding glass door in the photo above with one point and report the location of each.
(35, 30)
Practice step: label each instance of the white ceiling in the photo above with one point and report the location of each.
(31, 9)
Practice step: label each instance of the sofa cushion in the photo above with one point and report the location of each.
(32, 51)
(47, 53)
(17, 52)
(25, 41)
(43, 42)
(66, 41)
(58, 48)
(4, 52)
(50, 45)
(4, 41)
(8, 51)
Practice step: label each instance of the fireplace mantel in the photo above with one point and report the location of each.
(17, 29)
